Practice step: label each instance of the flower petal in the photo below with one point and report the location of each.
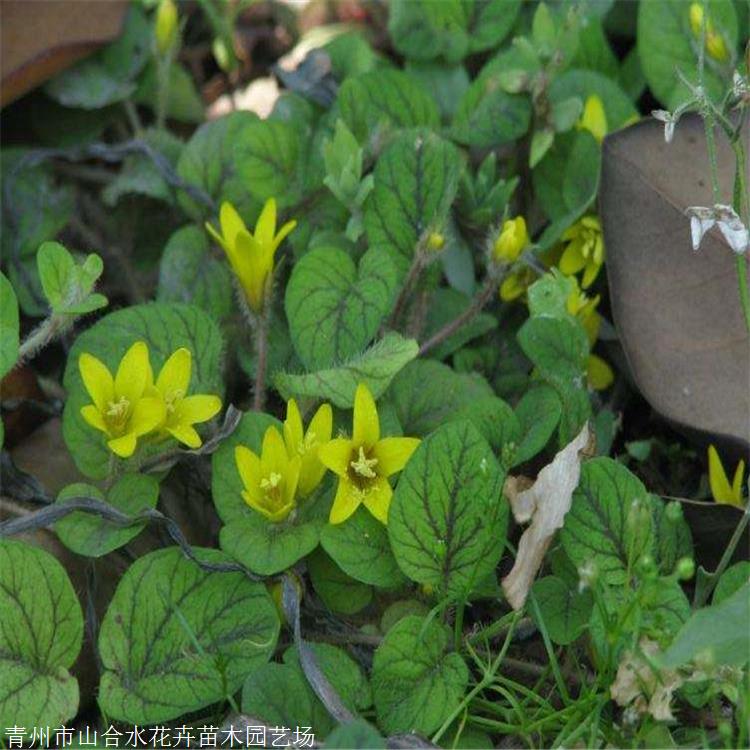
(366, 428)
(265, 227)
(248, 466)
(321, 425)
(336, 455)
(185, 434)
(717, 478)
(283, 232)
(273, 457)
(347, 500)
(737, 481)
(97, 379)
(572, 260)
(175, 374)
(124, 446)
(217, 236)
(197, 409)
(393, 453)
(294, 432)
(378, 500)
(147, 415)
(94, 417)
(291, 480)
(599, 373)
(230, 222)
(134, 373)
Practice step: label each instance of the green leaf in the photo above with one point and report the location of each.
(360, 547)
(446, 83)
(719, 632)
(376, 367)
(66, 284)
(564, 610)
(335, 308)
(489, 116)
(375, 102)
(165, 328)
(40, 637)
(416, 683)
(427, 393)
(599, 527)
(448, 517)
(429, 29)
(90, 535)
(108, 76)
(139, 174)
(338, 591)
(666, 45)
(357, 733)
(177, 638)
(490, 22)
(665, 608)
(673, 538)
(549, 295)
(190, 273)
(494, 419)
(618, 108)
(209, 162)
(567, 178)
(268, 548)
(226, 485)
(538, 414)
(732, 579)
(184, 102)
(416, 179)
(9, 340)
(351, 54)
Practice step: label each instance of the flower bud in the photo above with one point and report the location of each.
(716, 47)
(587, 575)
(166, 26)
(511, 242)
(646, 567)
(674, 511)
(685, 568)
(435, 241)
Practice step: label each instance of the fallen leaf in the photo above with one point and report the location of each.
(677, 312)
(545, 503)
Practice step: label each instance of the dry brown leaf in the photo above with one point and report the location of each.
(546, 502)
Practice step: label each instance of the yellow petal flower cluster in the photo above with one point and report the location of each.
(722, 491)
(130, 405)
(716, 47)
(292, 467)
(511, 241)
(251, 254)
(584, 249)
(578, 304)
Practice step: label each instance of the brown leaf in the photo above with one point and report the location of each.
(546, 502)
(677, 311)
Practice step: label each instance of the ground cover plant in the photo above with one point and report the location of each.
(339, 445)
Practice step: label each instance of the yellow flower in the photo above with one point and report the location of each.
(125, 407)
(183, 411)
(270, 480)
(594, 119)
(599, 374)
(307, 444)
(715, 45)
(512, 240)
(515, 284)
(721, 490)
(251, 255)
(364, 462)
(166, 26)
(584, 249)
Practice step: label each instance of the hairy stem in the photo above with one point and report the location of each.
(46, 332)
(417, 266)
(477, 305)
(261, 349)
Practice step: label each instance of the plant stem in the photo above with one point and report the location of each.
(741, 263)
(740, 201)
(42, 335)
(261, 349)
(702, 594)
(417, 266)
(477, 305)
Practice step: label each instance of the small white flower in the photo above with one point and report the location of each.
(740, 86)
(669, 120)
(702, 219)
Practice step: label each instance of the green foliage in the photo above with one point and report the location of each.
(448, 519)
(566, 610)
(177, 638)
(416, 681)
(9, 318)
(40, 637)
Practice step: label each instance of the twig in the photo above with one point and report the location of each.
(477, 305)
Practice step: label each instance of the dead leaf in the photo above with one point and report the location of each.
(677, 311)
(546, 502)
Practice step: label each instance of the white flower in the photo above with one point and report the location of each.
(726, 219)
(669, 120)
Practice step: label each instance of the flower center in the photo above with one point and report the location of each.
(364, 467)
(117, 413)
(172, 399)
(307, 443)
